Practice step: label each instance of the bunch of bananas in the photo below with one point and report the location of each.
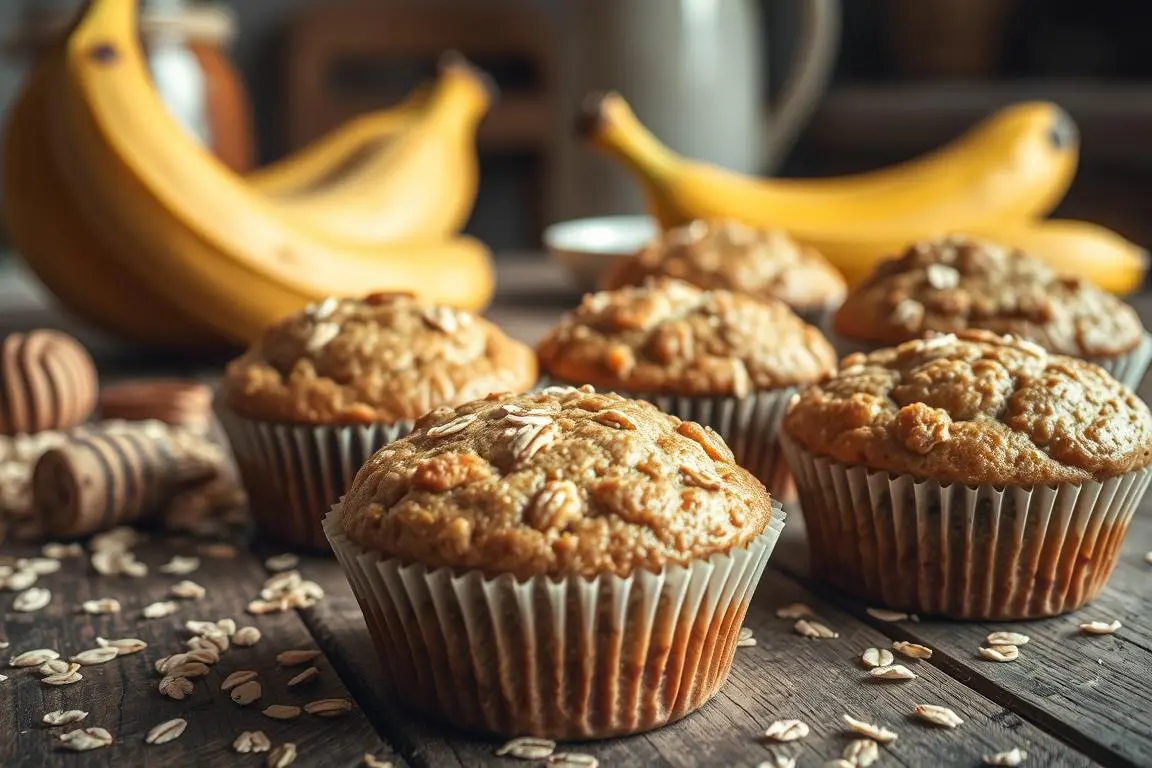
(997, 181)
(136, 227)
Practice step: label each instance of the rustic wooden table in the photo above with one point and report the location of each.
(1070, 699)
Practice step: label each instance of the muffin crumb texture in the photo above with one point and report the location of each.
(763, 263)
(975, 408)
(562, 482)
(383, 358)
(667, 336)
(956, 283)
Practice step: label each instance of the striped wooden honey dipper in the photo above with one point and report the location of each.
(47, 381)
(174, 401)
(110, 475)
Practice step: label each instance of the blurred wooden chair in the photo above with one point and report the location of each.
(347, 59)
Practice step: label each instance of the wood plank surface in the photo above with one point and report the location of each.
(784, 676)
(122, 696)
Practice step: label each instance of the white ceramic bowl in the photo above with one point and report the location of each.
(588, 247)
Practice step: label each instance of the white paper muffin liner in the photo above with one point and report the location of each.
(959, 551)
(561, 658)
(294, 473)
(749, 425)
(1128, 369)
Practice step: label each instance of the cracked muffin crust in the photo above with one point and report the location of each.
(975, 408)
(560, 482)
(383, 358)
(669, 337)
(727, 255)
(955, 283)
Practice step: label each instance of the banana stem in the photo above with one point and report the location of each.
(608, 123)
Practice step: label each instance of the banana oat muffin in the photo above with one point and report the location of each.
(721, 358)
(386, 357)
(309, 402)
(971, 475)
(763, 263)
(554, 535)
(954, 283)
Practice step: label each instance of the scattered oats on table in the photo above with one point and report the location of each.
(41, 566)
(246, 637)
(371, 761)
(283, 756)
(304, 677)
(1148, 558)
(101, 606)
(745, 638)
(1007, 638)
(94, 656)
(937, 715)
(284, 562)
(814, 629)
(794, 611)
(159, 610)
(124, 646)
(787, 730)
(176, 687)
(60, 551)
(778, 760)
(84, 739)
(572, 760)
(1100, 627)
(328, 707)
(169, 730)
(55, 667)
(31, 600)
(877, 657)
(246, 693)
(20, 580)
(876, 732)
(281, 712)
(861, 752)
(893, 672)
(912, 650)
(527, 748)
(188, 590)
(883, 614)
(33, 658)
(1000, 653)
(251, 741)
(63, 717)
(1012, 757)
(295, 658)
(239, 677)
(180, 565)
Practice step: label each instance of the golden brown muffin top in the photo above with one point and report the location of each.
(564, 482)
(667, 336)
(955, 282)
(975, 408)
(386, 357)
(763, 263)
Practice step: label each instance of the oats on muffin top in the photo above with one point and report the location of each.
(564, 481)
(667, 336)
(975, 408)
(763, 263)
(385, 358)
(955, 282)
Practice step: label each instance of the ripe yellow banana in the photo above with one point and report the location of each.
(1077, 247)
(421, 186)
(191, 231)
(1015, 165)
(51, 238)
(325, 161)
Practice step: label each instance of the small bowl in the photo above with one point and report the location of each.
(587, 248)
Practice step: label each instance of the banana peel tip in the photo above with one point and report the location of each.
(450, 60)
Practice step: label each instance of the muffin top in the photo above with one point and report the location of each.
(953, 283)
(667, 336)
(562, 482)
(386, 357)
(975, 408)
(763, 263)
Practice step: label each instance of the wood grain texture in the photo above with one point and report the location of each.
(783, 676)
(122, 695)
(1092, 692)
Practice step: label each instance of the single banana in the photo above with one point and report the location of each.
(1076, 247)
(50, 236)
(1015, 165)
(196, 235)
(330, 158)
(422, 185)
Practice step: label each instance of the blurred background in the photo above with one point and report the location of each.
(864, 83)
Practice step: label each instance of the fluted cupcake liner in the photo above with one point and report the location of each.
(1129, 369)
(819, 316)
(964, 552)
(294, 473)
(561, 658)
(749, 425)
